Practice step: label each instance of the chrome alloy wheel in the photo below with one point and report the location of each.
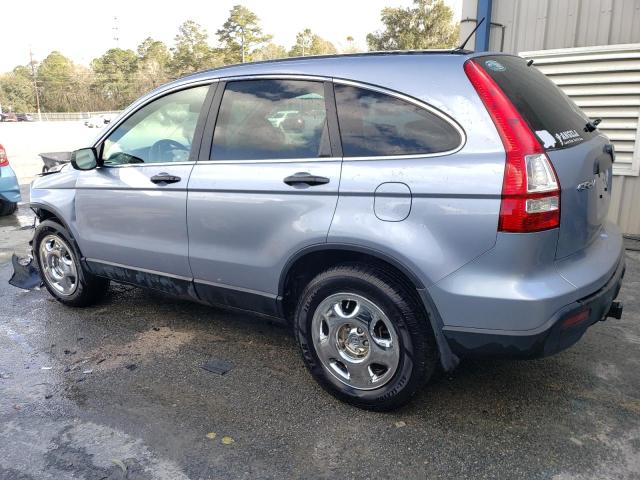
(58, 265)
(355, 341)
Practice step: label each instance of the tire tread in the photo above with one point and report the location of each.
(412, 312)
(91, 289)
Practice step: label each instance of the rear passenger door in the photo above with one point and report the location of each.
(265, 186)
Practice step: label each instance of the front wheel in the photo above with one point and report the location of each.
(364, 337)
(63, 274)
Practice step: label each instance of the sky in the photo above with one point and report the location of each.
(83, 29)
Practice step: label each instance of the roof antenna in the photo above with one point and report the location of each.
(461, 47)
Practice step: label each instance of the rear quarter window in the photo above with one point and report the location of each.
(375, 124)
(555, 119)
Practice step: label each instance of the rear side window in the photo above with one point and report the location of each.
(555, 118)
(374, 124)
(271, 119)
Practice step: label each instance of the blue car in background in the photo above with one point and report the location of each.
(9, 188)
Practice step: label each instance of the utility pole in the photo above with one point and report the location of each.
(242, 38)
(116, 29)
(35, 83)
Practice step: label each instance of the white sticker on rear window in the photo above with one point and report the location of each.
(546, 138)
(495, 66)
(568, 137)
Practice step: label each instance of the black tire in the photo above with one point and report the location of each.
(90, 289)
(418, 352)
(7, 208)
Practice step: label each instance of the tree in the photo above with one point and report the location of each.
(351, 46)
(303, 43)
(428, 24)
(240, 34)
(192, 52)
(270, 51)
(16, 90)
(308, 43)
(86, 98)
(153, 64)
(155, 50)
(115, 76)
(58, 83)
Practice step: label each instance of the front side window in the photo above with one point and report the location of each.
(271, 119)
(375, 124)
(161, 131)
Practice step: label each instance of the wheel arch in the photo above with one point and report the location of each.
(310, 261)
(47, 212)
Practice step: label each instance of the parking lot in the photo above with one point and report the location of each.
(117, 391)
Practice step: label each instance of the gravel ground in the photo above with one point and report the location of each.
(117, 391)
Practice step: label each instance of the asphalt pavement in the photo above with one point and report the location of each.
(118, 391)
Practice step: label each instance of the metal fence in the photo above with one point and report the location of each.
(66, 116)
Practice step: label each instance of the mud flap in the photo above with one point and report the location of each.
(25, 274)
(448, 359)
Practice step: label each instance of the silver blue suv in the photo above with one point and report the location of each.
(399, 210)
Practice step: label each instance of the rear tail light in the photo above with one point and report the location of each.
(530, 188)
(4, 161)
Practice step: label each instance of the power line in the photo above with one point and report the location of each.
(35, 83)
(116, 31)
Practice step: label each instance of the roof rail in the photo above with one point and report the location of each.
(452, 51)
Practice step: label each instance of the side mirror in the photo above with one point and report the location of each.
(84, 159)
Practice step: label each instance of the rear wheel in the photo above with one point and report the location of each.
(7, 208)
(61, 270)
(364, 337)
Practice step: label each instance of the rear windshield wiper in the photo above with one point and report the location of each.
(592, 125)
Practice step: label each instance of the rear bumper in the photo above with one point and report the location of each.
(564, 331)
(9, 188)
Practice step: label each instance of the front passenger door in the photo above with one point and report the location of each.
(131, 211)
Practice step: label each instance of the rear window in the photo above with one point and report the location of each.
(373, 124)
(555, 119)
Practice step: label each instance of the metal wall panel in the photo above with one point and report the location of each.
(605, 82)
(550, 24)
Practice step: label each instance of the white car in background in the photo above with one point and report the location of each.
(99, 121)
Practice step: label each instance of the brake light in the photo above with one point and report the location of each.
(530, 188)
(4, 161)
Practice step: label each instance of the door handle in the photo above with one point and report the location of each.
(304, 178)
(165, 178)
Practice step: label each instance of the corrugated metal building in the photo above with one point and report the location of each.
(591, 49)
